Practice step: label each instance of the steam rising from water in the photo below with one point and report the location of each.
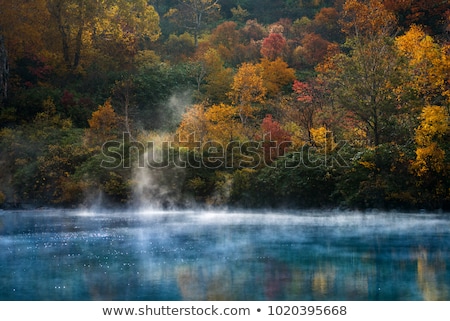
(158, 188)
(161, 188)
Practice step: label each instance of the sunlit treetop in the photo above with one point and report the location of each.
(367, 19)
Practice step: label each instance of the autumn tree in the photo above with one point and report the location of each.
(223, 124)
(427, 13)
(253, 31)
(326, 24)
(191, 14)
(365, 81)
(103, 125)
(276, 74)
(247, 90)
(83, 23)
(274, 46)
(213, 127)
(428, 65)
(22, 27)
(124, 28)
(314, 48)
(323, 139)
(216, 76)
(430, 135)
(193, 124)
(367, 20)
(431, 164)
(179, 48)
(275, 139)
(306, 105)
(72, 19)
(365, 84)
(225, 38)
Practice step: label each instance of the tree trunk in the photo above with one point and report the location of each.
(78, 45)
(4, 71)
(56, 12)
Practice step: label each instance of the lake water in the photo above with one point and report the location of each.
(188, 255)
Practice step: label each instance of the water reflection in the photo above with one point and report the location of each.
(429, 275)
(223, 256)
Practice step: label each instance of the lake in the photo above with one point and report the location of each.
(207, 255)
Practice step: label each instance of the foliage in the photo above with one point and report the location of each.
(222, 124)
(193, 124)
(103, 125)
(364, 81)
(192, 13)
(217, 77)
(179, 48)
(313, 103)
(429, 65)
(431, 165)
(274, 46)
(367, 19)
(275, 139)
(247, 89)
(276, 75)
(323, 139)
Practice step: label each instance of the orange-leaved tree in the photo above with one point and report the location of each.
(103, 125)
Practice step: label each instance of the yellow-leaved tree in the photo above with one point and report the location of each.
(247, 90)
(429, 64)
(223, 124)
(116, 28)
(127, 22)
(431, 165)
(323, 139)
(218, 78)
(276, 74)
(193, 124)
(430, 134)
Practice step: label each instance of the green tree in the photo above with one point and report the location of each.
(214, 78)
(365, 80)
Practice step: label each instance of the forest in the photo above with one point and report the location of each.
(227, 103)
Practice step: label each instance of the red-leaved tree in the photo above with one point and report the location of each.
(273, 46)
(275, 139)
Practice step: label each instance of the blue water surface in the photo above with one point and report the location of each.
(201, 255)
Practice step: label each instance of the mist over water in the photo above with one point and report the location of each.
(157, 189)
(211, 255)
